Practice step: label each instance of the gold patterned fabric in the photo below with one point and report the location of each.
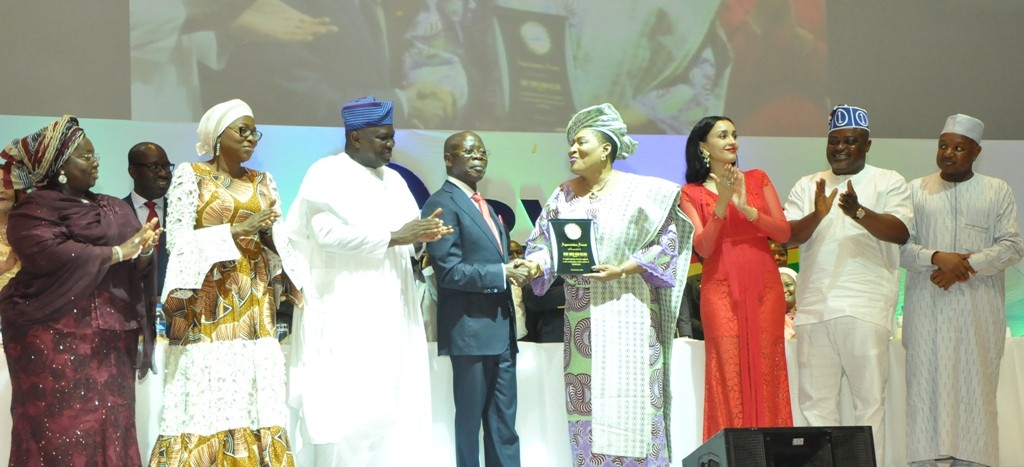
(5, 251)
(236, 303)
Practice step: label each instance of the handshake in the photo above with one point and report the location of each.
(521, 271)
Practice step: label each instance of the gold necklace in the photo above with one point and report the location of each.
(593, 190)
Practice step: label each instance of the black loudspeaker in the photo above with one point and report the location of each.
(836, 446)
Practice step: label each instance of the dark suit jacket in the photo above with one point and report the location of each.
(474, 306)
(161, 252)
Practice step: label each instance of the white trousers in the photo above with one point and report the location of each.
(844, 346)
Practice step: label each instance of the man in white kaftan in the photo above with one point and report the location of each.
(964, 236)
(359, 371)
(849, 275)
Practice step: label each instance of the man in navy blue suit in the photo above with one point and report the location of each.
(151, 172)
(475, 315)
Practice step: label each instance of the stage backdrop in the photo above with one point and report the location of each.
(516, 70)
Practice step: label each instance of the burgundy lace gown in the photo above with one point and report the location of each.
(71, 324)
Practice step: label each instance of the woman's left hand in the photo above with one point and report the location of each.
(739, 186)
(605, 273)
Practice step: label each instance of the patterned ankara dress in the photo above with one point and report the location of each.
(71, 324)
(620, 417)
(224, 397)
(743, 310)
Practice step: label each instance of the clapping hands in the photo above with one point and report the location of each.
(142, 242)
(822, 203)
(258, 222)
(428, 229)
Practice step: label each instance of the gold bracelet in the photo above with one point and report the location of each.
(754, 217)
(622, 271)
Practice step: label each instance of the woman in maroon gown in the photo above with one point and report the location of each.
(72, 316)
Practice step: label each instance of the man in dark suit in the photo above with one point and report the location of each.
(475, 315)
(151, 172)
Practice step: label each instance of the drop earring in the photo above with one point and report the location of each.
(62, 179)
(216, 149)
(706, 155)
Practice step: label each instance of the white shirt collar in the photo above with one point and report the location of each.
(138, 201)
(462, 185)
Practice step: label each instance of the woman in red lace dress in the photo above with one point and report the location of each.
(742, 304)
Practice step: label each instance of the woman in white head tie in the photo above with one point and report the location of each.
(224, 395)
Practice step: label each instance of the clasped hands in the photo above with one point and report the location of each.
(521, 271)
(951, 268)
(732, 188)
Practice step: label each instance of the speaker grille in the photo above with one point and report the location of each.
(852, 446)
(746, 448)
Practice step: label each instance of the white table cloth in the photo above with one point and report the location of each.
(541, 419)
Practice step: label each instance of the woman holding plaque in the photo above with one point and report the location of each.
(742, 306)
(619, 317)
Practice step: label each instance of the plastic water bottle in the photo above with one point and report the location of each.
(282, 331)
(160, 322)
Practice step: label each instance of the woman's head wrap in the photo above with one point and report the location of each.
(31, 161)
(215, 120)
(606, 119)
(789, 272)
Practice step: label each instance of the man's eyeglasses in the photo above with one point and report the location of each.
(245, 132)
(155, 167)
(483, 153)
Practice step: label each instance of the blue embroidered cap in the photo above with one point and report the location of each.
(847, 116)
(367, 112)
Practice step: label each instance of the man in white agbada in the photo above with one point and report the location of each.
(963, 237)
(849, 275)
(359, 371)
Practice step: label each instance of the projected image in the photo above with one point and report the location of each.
(516, 65)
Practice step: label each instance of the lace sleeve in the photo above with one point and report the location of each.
(538, 245)
(288, 255)
(192, 251)
(657, 261)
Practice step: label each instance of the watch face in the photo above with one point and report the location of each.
(860, 213)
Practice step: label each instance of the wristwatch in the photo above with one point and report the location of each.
(860, 213)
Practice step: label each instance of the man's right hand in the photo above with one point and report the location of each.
(954, 264)
(429, 229)
(823, 204)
